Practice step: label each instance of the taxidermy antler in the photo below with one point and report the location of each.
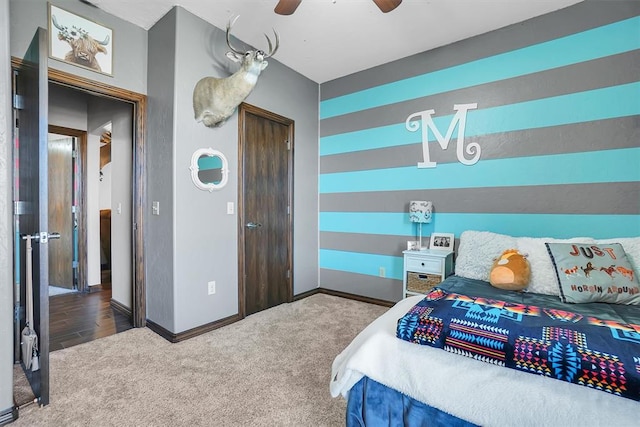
(215, 99)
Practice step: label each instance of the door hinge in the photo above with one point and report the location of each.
(74, 154)
(18, 102)
(22, 208)
(288, 274)
(288, 210)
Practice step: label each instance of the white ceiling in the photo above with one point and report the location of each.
(327, 39)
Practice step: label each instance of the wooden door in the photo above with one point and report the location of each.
(79, 217)
(31, 196)
(265, 200)
(60, 148)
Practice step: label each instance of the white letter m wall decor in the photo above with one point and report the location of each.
(459, 118)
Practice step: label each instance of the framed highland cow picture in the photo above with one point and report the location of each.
(80, 41)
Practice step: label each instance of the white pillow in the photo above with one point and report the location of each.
(478, 250)
(543, 274)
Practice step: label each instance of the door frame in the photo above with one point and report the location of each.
(139, 102)
(81, 160)
(243, 109)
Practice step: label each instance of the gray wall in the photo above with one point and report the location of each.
(67, 107)
(205, 236)
(159, 237)
(120, 114)
(557, 100)
(203, 245)
(6, 225)
(129, 41)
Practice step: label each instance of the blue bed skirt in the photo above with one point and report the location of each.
(373, 404)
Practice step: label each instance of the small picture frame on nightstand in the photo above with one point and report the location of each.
(442, 241)
(413, 245)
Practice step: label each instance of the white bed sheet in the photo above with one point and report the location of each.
(476, 391)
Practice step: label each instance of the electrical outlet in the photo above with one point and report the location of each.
(211, 286)
(382, 272)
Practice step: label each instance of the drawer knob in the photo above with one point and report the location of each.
(422, 264)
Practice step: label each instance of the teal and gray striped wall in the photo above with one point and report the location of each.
(557, 121)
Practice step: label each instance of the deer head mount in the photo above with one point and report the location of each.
(216, 99)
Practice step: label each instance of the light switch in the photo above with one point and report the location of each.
(230, 208)
(155, 208)
(119, 208)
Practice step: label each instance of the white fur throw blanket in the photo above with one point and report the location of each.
(475, 391)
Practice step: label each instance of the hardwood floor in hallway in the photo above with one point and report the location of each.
(77, 318)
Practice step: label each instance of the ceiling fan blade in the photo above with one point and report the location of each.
(286, 7)
(387, 5)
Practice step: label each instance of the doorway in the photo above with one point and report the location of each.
(87, 183)
(265, 198)
(138, 103)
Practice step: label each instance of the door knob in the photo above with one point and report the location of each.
(253, 225)
(42, 237)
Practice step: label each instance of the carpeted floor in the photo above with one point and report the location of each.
(270, 369)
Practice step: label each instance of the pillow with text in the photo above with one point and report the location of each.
(590, 272)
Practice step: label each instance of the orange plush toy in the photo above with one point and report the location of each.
(511, 271)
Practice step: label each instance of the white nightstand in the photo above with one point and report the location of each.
(424, 270)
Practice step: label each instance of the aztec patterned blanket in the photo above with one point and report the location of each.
(585, 350)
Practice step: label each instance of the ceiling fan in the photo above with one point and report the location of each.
(287, 7)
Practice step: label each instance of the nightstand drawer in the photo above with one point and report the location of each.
(424, 265)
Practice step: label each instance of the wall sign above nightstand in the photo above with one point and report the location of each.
(460, 119)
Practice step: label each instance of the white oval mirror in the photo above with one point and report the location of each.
(209, 169)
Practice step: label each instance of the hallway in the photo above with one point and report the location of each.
(77, 318)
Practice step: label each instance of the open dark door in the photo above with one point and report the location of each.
(31, 197)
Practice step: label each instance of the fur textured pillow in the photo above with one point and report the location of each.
(478, 250)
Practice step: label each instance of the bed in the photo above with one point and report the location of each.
(391, 379)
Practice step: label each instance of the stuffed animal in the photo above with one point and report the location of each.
(510, 271)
